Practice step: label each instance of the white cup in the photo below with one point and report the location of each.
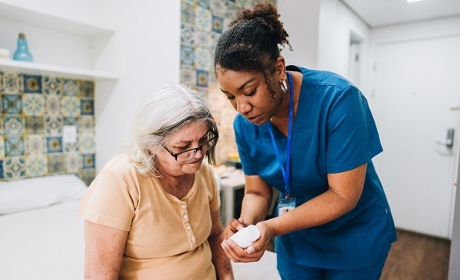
(245, 236)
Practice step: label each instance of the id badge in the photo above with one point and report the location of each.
(285, 205)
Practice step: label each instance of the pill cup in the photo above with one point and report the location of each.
(245, 236)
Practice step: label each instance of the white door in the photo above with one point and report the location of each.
(415, 101)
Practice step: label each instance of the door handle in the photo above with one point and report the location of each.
(449, 143)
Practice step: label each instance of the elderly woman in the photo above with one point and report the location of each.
(153, 211)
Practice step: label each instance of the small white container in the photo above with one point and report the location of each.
(245, 236)
(4, 54)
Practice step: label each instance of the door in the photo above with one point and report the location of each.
(415, 101)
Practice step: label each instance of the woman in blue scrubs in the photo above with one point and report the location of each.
(311, 135)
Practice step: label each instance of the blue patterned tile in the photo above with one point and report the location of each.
(187, 55)
(73, 162)
(217, 24)
(87, 107)
(1, 170)
(88, 161)
(201, 78)
(32, 84)
(204, 4)
(187, 35)
(11, 104)
(53, 145)
(203, 19)
(70, 106)
(187, 13)
(35, 145)
(52, 105)
(13, 125)
(203, 59)
(14, 146)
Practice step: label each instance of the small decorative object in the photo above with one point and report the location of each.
(4, 54)
(22, 52)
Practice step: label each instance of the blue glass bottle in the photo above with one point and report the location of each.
(22, 52)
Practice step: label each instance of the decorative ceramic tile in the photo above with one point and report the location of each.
(70, 106)
(73, 162)
(87, 89)
(88, 161)
(11, 104)
(34, 110)
(52, 105)
(188, 75)
(56, 164)
(52, 85)
(217, 24)
(71, 87)
(87, 142)
(87, 107)
(203, 39)
(187, 56)
(201, 78)
(187, 37)
(32, 84)
(204, 4)
(35, 125)
(203, 19)
(35, 145)
(53, 125)
(33, 104)
(14, 146)
(12, 83)
(86, 123)
(13, 125)
(36, 166)
(53, 145)
(203, 59)
(187, 13)
(14, 168)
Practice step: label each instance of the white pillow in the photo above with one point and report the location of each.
(38, 192)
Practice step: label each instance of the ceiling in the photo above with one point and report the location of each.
(377, 13)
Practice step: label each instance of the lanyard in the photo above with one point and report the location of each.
(285, 171)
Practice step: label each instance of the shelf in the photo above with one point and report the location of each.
(53, 22)
(43, 69)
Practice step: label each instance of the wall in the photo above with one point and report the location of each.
(35, 111)
(202, 23)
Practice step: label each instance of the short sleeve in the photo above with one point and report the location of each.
(108, 201)
(352, 133)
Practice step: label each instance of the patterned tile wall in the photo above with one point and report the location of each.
(202, 23)
(35, 112)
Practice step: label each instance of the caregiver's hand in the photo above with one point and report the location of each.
(255, 250)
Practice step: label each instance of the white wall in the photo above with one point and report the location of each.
(300, 18)
(149, 40)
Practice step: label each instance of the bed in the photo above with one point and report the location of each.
(41, 236)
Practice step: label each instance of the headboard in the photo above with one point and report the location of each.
(47, 127)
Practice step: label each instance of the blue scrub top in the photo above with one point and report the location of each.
(334, 131)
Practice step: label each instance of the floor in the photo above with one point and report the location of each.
(415, 257)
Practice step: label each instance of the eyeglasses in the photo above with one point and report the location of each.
(188, 154)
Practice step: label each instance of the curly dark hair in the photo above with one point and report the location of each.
(252, 42)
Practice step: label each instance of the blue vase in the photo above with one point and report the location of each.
(22, 52)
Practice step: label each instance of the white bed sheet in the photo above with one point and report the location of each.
(48, 244)
(44, 243)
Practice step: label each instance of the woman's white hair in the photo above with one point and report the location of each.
(164, 112)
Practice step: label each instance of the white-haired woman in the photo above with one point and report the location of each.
(153, 211)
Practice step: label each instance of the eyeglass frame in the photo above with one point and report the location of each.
(195, 150)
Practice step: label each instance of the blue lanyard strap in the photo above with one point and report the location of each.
(286, 171)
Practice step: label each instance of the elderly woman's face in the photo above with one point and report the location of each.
(180, 154)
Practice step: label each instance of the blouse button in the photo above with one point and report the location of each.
(185, 217)
(183, 206)
(192, 238)
(188, 227)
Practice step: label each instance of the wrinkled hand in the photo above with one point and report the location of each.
(255, 250)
